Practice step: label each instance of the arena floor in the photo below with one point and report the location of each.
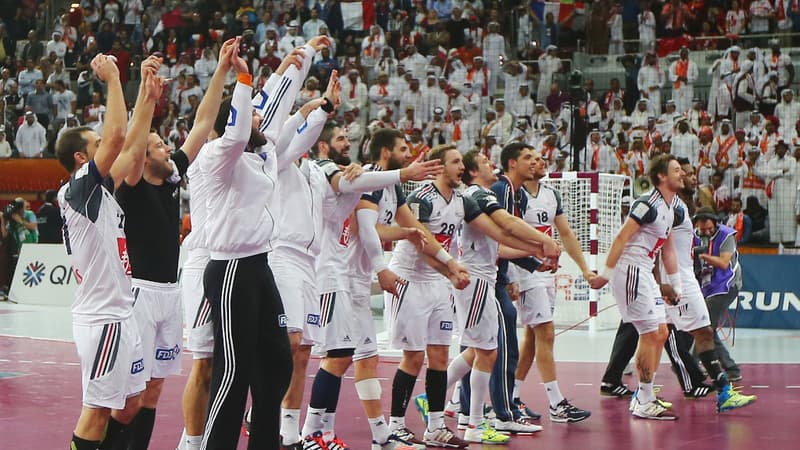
(40, 394)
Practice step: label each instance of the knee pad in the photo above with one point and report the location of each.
(340, 353)
(369, 389)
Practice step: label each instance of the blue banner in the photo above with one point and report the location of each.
(770, 295)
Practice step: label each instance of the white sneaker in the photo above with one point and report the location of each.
(463, 421)
(452, 408)
(653, 410)
(519, 426)
(395, 443)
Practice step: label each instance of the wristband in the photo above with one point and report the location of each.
(245, 78)
(327, 106)
(443, 257)
(674, 280)
(607, 273)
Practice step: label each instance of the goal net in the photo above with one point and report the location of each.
(592, 203)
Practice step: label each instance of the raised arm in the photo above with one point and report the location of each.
(116, 120)
(209, 106)
(129, 165)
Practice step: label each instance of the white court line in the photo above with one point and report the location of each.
(584, 384)
(759, 386)
(792, 387)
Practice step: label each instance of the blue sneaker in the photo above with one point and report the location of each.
(421, 402)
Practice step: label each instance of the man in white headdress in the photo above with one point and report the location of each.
(650, 81)
(682, 74)
(549, 64)
(787, 111)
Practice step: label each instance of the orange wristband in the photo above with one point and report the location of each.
(245, 78)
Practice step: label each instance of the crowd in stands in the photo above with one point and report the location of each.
(477, 73)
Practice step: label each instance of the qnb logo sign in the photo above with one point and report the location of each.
(167, 354)
(768, 301)
(33, 274)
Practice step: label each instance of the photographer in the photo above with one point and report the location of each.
(716, 265)
(16, 231)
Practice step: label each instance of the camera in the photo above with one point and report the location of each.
(13, 208)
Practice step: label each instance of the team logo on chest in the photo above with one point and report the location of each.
(122, 248)
(345, 237)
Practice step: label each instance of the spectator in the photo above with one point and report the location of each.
(311, 26)
(34, 49)
(5, 147)
(647, 28)
(27, 78)
(782, 192)
(65, 102)
(191, 89)
(92, 114)
(56, 45)
(41, 103)
(71, 122)
(31, 138)
(761, 12)
(740, 222)
(443, 8)
(58, 74)
(291, 40)
(49, 219)
(735, 19)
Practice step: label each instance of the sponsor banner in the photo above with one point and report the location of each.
(44, 276)
(770, 295)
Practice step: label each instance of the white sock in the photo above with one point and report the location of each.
(193, 442)
(553, 393)
(456, 397)
(328, 420)
(479, 385)
(395, 423)
(645, 394)
(380, 431)
(456, 370)
(435, 420)
(517, 388)
(290, 426)
(313, 421)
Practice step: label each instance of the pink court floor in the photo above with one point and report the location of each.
(40, 399)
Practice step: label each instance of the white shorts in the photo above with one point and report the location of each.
(536, 305)
(638, 298)
(477, 315)
(691, 313)
(112, 367)
(197, 314)
(159, 318)
(367, 343)
(421, 315)
(336, 321)
(293, 272)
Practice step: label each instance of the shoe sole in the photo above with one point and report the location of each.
(662, 418)
(611, 394)
(730, 408)
(517, 433)
(442, 445)
(568, 420)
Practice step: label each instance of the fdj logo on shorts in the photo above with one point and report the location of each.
(312, 319)
(167, 354)
(282, 320)
(445, 325)
(137, 366)
(33, 274)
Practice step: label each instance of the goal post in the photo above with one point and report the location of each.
(592, 203)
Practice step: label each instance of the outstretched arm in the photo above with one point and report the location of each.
(129, 165)
(116, 122)
(209, 106)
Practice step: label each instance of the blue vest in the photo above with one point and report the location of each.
(714, 281)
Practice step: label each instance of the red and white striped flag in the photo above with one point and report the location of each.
(358, 15)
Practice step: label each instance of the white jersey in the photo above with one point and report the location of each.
(94, 237)
(332, 270)
(683, 238)
(656, 219)
(479, 252)
(195, 242)
(443, 218)
(388, 200)
(541, 214)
